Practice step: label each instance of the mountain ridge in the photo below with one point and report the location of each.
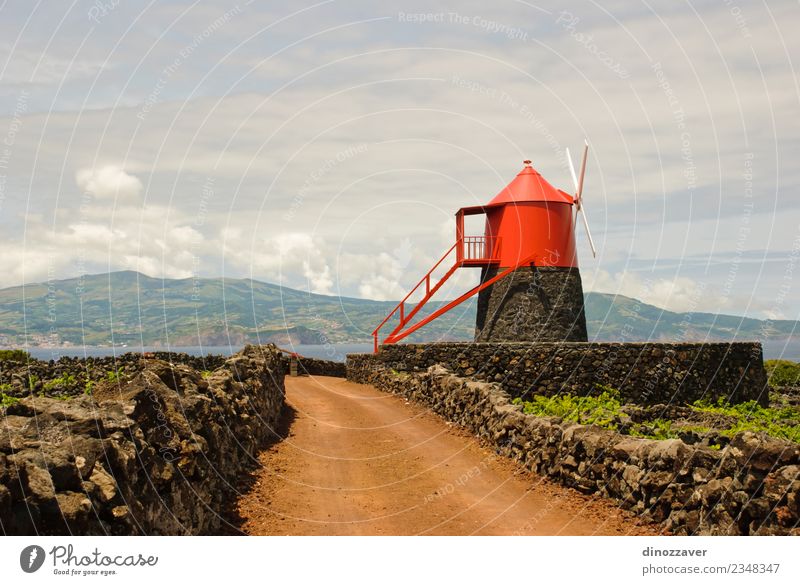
(131, 307)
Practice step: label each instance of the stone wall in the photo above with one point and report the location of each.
(644, 373)
(538, 303)
(751, 486)
(155, 453)
(21, 378)
(317, 367)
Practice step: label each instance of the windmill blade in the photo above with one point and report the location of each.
(579, 194)
(572, 171)
(579, 188)
(588, 232)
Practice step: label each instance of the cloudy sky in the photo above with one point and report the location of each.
(327, 145)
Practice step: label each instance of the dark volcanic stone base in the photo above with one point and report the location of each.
(644, 373)
(532, 304)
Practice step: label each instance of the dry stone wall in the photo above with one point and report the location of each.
(644, 373)
(317, 367)
(751, 486)
(35, 376)
(538, 303)
(156, 453)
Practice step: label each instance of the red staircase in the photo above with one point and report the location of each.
(470, 251)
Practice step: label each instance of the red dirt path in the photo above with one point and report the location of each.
(362, 462)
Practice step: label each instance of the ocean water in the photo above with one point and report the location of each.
(784, 350)
(788, 350)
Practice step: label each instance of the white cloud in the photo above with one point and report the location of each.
(109, 182)
(680, 294)
(24, 66)
(154, 239)
(434, 144)
(294, 259)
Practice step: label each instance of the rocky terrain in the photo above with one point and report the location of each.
(153, 448)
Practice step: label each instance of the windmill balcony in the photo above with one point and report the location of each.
(478, 250)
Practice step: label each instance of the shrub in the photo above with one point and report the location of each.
(14, 355)
(6, 400)
(782, 373)
(63, 382)
(782, 423)
(603, 410)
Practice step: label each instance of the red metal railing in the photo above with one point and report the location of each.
(426, 280)
(473, 250)
(398, 335)
(479, 248)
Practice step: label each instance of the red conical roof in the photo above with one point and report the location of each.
(529, 185)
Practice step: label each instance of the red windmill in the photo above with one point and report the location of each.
(530, 287)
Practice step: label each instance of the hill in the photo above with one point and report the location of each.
(129, 307)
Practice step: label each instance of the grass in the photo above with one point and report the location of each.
(605, 410)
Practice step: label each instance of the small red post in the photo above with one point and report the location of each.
(459, 236)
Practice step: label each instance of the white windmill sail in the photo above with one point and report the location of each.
(578, 182)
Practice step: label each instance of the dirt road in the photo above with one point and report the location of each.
(359, 461)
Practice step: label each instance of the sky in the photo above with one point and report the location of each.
(327, 145)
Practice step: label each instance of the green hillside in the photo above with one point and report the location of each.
(128, 307)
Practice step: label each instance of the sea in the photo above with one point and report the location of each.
(786, 349)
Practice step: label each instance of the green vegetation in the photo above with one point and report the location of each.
(659, 428)
(63, 382)
(400, 375)
(14, 355)
(88, 387)
(782, 373)
(114, 375)
(605, 410)
(5, 399)
(32, 382)
(662, 428)
(206, 373)
(783, 423)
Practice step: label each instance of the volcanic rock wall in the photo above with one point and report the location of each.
(751, 486)
(644, 373)
(317, 367)
(35, 376)
(157, 453)
(540, 303)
